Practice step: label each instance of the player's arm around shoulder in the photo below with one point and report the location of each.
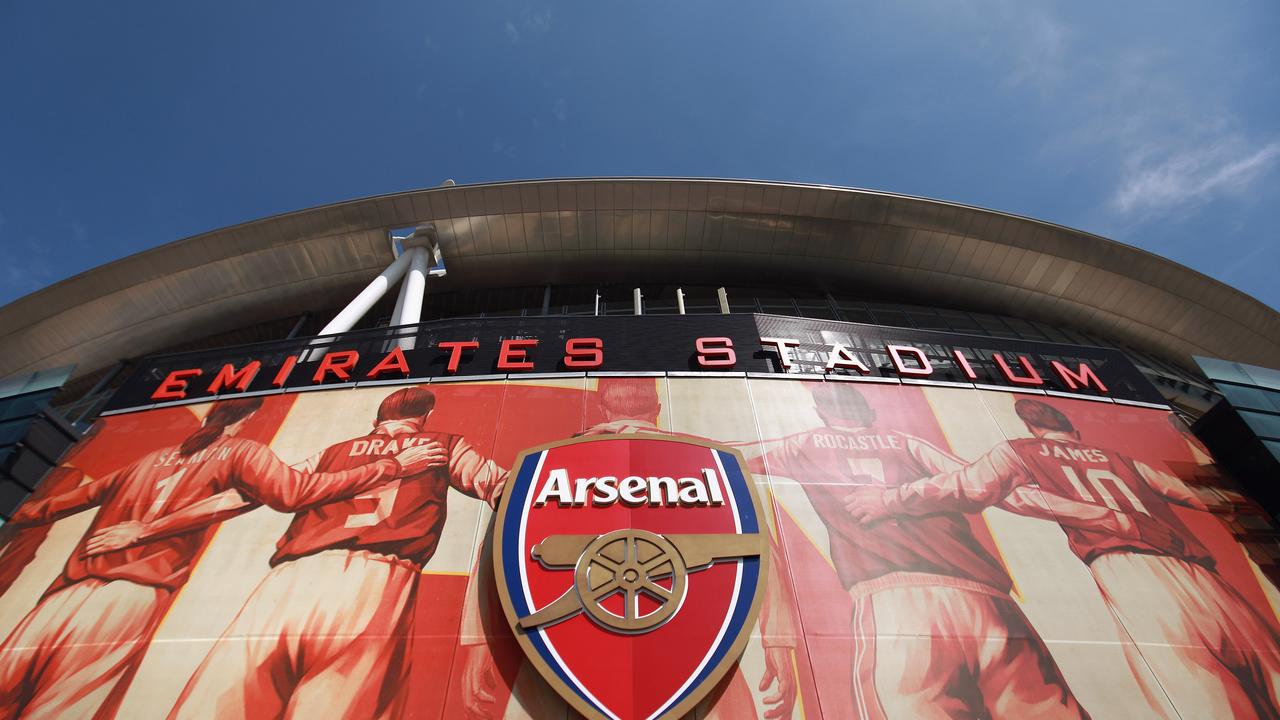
(933, 458)
(1170, 486)
(78, 499)
(473, 474)
(969, 488)
(261, 474)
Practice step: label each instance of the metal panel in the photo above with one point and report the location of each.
(149, 298)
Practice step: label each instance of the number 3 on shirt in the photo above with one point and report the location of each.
(384, 500)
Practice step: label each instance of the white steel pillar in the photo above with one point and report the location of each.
(409, 305)
(371, 294)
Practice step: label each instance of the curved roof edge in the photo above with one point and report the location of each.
(637, 230)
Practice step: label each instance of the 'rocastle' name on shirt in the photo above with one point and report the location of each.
(834, 441)
(632, 490)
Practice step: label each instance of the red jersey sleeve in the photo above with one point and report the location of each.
(473, 474)
(267, 479)
(971, 488)
(81, 498)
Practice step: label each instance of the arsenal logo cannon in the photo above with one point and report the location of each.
(631, 568)
(632, 563)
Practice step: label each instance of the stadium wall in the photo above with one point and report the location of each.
(941, 546)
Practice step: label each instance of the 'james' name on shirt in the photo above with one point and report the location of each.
(1078, 454)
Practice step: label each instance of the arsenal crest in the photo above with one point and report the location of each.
(631, 568)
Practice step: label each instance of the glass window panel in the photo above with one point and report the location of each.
(1266, 377)
(11, 432)
(896, 318)
(1025, 329)
(993, 325)
(1217, 369)
(775, 308)
(816, 309)
(928, 321)
(854, 311)
(1263, 424)
(1250, 397)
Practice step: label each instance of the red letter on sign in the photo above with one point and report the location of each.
(962, 362)
(174, 386)
(583, 353)
(455, 352)
(895, 354)
(339, 363)
(283, 374)
(393, 361)
(1081, 379)
(716, 352)
(1031, 378)
(228, 376)
(513, 355)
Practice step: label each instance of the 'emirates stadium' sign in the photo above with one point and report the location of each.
(732, 343)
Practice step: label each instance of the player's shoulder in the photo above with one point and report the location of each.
(1022, 443)
(447, 439)
(903, 436)
(239, 447)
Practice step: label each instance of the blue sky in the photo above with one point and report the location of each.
(1153, 123)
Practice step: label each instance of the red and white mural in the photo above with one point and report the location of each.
(926, 552)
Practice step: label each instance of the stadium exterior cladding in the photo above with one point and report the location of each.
(840, 489)
(639, 230)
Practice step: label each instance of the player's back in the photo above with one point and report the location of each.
(402, 517)
(1067, 467)
(829, 461)
(157, 484)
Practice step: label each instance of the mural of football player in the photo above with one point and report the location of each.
(1209, 649)
(73, 654)
(956, 645)
(327, 632)
(632, 405)
(21, 542)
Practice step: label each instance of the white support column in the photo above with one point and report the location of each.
(409, 305)
(371, 294)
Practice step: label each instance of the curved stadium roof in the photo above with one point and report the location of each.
(695, 231)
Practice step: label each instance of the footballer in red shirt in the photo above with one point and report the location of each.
(936, 633)
(1209, 649)
(73, 654)
(326, 633)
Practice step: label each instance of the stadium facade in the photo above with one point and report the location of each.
(640, 448)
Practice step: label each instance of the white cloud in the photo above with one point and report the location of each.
(538, 21)
(1038, 43)
(533, 22)
(1192, 175)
